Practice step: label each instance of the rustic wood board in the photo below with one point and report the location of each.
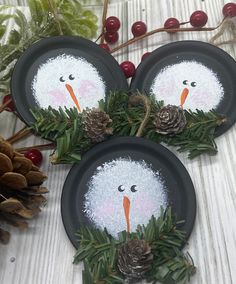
(43, 253)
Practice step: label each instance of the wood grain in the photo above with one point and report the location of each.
(43, 253)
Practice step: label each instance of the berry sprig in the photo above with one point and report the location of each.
(197, 20)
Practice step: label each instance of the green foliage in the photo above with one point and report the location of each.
(199, 135)
(66, 128)
(98, 250)
(48, 18)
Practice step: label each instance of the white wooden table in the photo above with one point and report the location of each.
(43, 253)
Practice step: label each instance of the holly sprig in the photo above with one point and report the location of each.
(131, 116)
(98, 251)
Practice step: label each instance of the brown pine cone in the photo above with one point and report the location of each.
(96, 125)
(20, 189)
(134, 259)
(170, 120)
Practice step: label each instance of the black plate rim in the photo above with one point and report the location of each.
(231, 118)
(23, 112)
(67, 187)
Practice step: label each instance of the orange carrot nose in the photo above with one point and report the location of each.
(184, 96)
(72, 94)
(126, 205)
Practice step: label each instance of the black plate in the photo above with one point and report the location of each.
(28, 64)
(180, 190)
(212, 57)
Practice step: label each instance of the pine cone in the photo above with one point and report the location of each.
(96, 125)
(134, 259)
(20, 190)
(170, 120)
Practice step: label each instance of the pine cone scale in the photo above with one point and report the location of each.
(6, 148)
(6, 164)
(13, 180)
(21, 165)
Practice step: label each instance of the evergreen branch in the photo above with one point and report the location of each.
(98, 250)
(176, 270)
(65, 127)
(198, 137)
(52, 123)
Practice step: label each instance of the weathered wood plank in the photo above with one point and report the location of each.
(44, 254)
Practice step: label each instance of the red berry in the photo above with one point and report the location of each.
(128, 68)
(145, 55)
(171, 23)
(229, 10)
(112, 24)
(11, 106)
(35, 156)
(105, 46)
(111, 37)
(139, 28)
(198, 19)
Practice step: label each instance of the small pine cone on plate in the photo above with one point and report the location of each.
(134, 259)
(170, 120)
(96, 125)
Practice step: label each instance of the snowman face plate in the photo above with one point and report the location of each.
(193, 74)
(64, 71)
(121, 183)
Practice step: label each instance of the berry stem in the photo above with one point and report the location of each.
(24, 132)
(133, 40)
(228, 24)
(99, 37)
(184, 23)
(104, 16)
(4, 105)
(41, 147)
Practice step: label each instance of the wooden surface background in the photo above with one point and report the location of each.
(43, 254)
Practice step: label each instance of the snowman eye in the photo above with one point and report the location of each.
(61, 79)
(133, 188)
(185, 82)
(121, 188)
(71, 77)
(193, 84)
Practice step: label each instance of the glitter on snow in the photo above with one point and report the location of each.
(203, 86)
(112, 182)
